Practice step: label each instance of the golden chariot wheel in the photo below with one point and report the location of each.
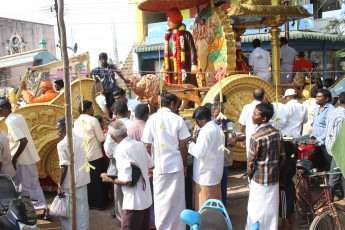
(52, 161)
(238, 90)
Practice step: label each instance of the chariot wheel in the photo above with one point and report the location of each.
(239, 92)
(52, 161)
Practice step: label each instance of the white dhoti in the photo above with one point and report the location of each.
(263, 206)
(27, 183)
(82, 211)
(169, 200)
(118, 200)
(264, 74)
(286, 73)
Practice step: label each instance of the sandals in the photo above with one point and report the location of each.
(45, 215)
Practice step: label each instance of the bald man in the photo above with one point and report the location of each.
(46, 88)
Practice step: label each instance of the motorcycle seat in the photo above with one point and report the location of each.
(212, 219)
(305, 165)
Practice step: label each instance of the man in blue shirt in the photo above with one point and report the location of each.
(106, 74)
(323, 107)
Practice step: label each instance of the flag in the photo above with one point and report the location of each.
(338, 149)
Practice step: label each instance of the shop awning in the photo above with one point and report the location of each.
(294, 35)
(24, 58)
(149, 48)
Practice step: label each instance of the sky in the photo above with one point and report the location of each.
(89, 23)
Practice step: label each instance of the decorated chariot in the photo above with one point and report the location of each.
(217, 34)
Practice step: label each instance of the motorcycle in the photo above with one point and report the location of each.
(16, 212)
(211, 216)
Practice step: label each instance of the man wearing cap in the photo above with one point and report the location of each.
(46, 88)
(260, 61)
(172, 48)
(296, 115)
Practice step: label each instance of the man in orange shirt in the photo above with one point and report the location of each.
(46, 88)
(302, 63)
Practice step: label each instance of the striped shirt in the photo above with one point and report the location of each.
(266, 148)
(335, 120)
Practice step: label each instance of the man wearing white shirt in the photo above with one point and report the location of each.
(245, 119)
(279, 115)
(260, 61)
(287, 61)
(6, 166)
(101, 101)
(87, 127)
(120, 111)
(208, 158)
(296, 115)
(310, 105)
(24, 157)
(120, 94)
(167, 132)
(82, 177)
(136, 199)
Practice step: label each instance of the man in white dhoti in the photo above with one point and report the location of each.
(245, 119)
(167, 132)
(208, 158)
(266, 152)
(82, 178)
(24, 157)
(260, 61)
(287, 61)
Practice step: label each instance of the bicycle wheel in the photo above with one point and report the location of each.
(327, 220)
(300, 205)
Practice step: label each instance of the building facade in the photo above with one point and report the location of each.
(23, 44)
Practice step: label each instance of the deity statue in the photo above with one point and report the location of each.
(180, 57)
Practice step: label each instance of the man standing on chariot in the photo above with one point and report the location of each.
(180, 57)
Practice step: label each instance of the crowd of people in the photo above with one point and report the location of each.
(179, 167)
(270, 166)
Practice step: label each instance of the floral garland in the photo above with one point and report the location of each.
(179, 54)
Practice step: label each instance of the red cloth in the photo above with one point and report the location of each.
(48, 184)
(175, 16)
(302, 63)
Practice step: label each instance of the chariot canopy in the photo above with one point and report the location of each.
(261, 14)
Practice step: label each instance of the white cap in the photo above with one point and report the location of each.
(289, 92)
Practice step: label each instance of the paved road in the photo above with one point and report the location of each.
(236, 206)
